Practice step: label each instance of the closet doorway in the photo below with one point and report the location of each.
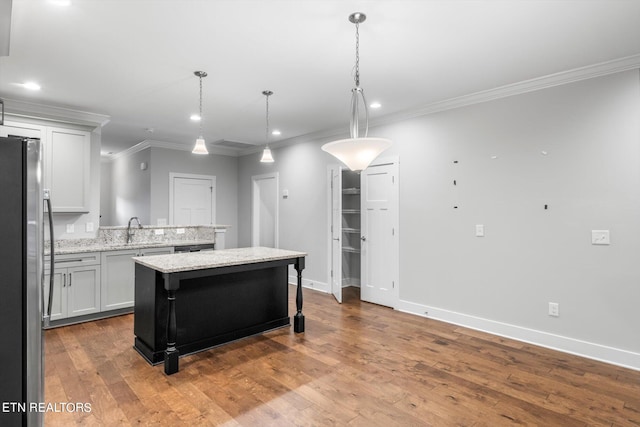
(363, 231)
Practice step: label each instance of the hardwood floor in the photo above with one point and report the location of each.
(356, 364)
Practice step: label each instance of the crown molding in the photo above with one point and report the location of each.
(57, 114)
(557, 79)
(151, 143)
(526, 86)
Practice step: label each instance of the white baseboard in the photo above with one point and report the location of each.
(615, 356)
(355, 282)
(311, 284)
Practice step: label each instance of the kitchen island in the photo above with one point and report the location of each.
(189, 302)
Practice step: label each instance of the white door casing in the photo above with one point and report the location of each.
(265, 210)
(379, 256)
(335, 232)
(192, 199)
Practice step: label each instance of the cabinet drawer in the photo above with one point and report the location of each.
(75, 260)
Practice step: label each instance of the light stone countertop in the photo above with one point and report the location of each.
(115, 238)
(214, 259)
(104, 247)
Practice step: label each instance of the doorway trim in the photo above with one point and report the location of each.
(174, 175)
(255, 212)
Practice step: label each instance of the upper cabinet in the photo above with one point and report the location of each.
(67, 163)
(67, 169)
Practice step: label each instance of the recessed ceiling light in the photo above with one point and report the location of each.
(375, 105)
(61, 2)
(276, 132)
(195, 117)
(31, 86)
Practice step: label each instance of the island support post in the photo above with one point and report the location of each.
(298, 320)
(171, 354)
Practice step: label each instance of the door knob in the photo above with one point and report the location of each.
(336, 238)
(363, 238)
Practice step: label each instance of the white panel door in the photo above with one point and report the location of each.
(379, 255)
(336, 233)
(193, 200)
(264, 231)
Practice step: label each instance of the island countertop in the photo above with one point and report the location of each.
(174, 263)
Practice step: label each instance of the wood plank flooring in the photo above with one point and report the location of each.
(357, 364)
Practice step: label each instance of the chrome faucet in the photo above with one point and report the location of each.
(129, 232)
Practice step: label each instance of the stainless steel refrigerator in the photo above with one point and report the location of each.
(22, 208)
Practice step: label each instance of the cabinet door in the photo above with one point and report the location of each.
(68, 161)
(117, 288)
(59, 303)
(83, 288)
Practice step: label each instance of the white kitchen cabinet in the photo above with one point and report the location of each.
(68, 169)
(76, 290)
(118, 276)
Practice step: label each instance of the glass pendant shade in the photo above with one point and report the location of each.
(357, 153)
(200, 148)
(266, 156)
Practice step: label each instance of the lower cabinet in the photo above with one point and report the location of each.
(118, 281)
(76, 287)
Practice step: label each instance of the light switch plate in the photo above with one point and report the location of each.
(479, 230)
(179, 230)
(159, 231)
(600, 237)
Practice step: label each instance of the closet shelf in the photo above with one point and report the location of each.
(350, 249)
(351, 191)
(351, 211)
(350, 230)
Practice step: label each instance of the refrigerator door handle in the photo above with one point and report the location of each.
(52, 265)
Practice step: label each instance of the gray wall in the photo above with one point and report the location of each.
(145, 194)
(503, 282)
(131, 188)
(107, 214)
(302, 170)
(224, 168)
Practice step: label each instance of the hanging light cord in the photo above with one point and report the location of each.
(355, 110)
(357, 76)
(267, 131)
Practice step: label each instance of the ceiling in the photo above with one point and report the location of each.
(134, 60)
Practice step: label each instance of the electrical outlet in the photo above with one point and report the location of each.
(89, 227)
(159, 231)
(179, 230)
(554, 309)
(71, 228)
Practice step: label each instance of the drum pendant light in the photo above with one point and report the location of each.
(357, 152)
(266, 153)
(200, 148)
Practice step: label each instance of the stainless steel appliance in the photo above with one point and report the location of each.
(22, 306)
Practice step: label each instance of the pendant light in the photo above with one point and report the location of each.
(200, 148)
(357, 152)
(266, 153)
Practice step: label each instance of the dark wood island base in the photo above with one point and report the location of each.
(191, 310)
